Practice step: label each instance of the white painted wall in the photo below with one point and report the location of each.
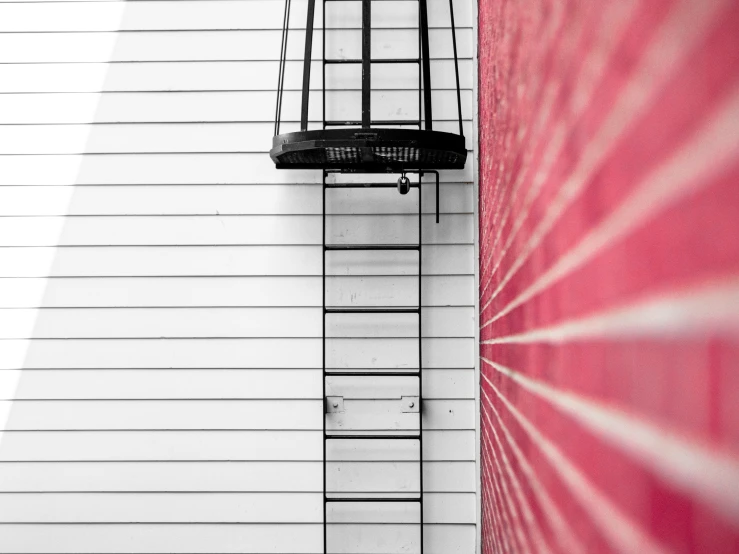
(160, 384)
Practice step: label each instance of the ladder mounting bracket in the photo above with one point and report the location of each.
(334, 404)
(409, 404)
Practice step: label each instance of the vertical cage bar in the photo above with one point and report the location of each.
(423, 11)
(366, 62)
(420, 73)
(420, 352)
(456, 66)
(323, 358)
(323, 64)
(281, 69)
(306, 64)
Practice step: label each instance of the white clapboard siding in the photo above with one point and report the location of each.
(232, 229)
(225, 260)
(202, 76)
(249, 106)
(254, 15)
(284, 199)
(285, 476)
(126, 384)
(72, 415)
(164, 169)
(212, 445)
(215, 507)
(437, 290)
(150, 138)
(227, 322)
(214, 46)
(160, 286)
(250, 539)
(233, 353)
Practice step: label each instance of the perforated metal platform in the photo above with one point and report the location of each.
(369, 150)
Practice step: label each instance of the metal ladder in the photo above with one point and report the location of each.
(417, 435)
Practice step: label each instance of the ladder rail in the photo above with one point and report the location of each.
(326, 372)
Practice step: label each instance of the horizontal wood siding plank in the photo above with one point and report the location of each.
(105, 415)
(187, 46)
(370, 477)
(165, 169)
(211, 75)
(227, 322)
(148, 138)
(93, 384)
(243, 539)
(226, 106)
(221, 508)
(231, 229)
(227, 353)
(113, 446)
(276, 199)
(207, 14)
(107, 292)
(225, 260)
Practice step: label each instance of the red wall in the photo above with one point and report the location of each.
(609, 275)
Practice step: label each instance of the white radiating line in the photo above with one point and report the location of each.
(706, 473)
(565, 537)
(502, 491)
(711, 151)
(686, 24)
(706, 311)
(618, 14)
(620, 532)
(488, 511)
(497, 510)
(523, 502)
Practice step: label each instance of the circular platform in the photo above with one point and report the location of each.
(369, 150)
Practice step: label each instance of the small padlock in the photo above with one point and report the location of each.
(404, 184)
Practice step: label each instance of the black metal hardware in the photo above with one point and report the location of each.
(417, 402)
(395, 148)
(374, 437)
(373, 499)
(371, 310)
(371, 247)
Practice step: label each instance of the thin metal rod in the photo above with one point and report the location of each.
(374, 437)
(373, 499)
(283, 62)
(373, 122)
(374, 60)
(323, 362)
(420, 350)
(371, 247)
(420, 72)
(306, 64)
(366, 62)
(426, 63)
(323, 66)
(371, 310)
(372, 373)
(456, 71)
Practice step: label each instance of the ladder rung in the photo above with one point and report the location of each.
(372, 374)
(374, 122)
(373, 437)
(371, 310)
(372, 499)
(372, 247)
(367, 186)
(378, 60)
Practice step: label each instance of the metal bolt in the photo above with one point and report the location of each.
(411, 404)
(336, 404)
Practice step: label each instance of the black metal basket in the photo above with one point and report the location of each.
(368, 145)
